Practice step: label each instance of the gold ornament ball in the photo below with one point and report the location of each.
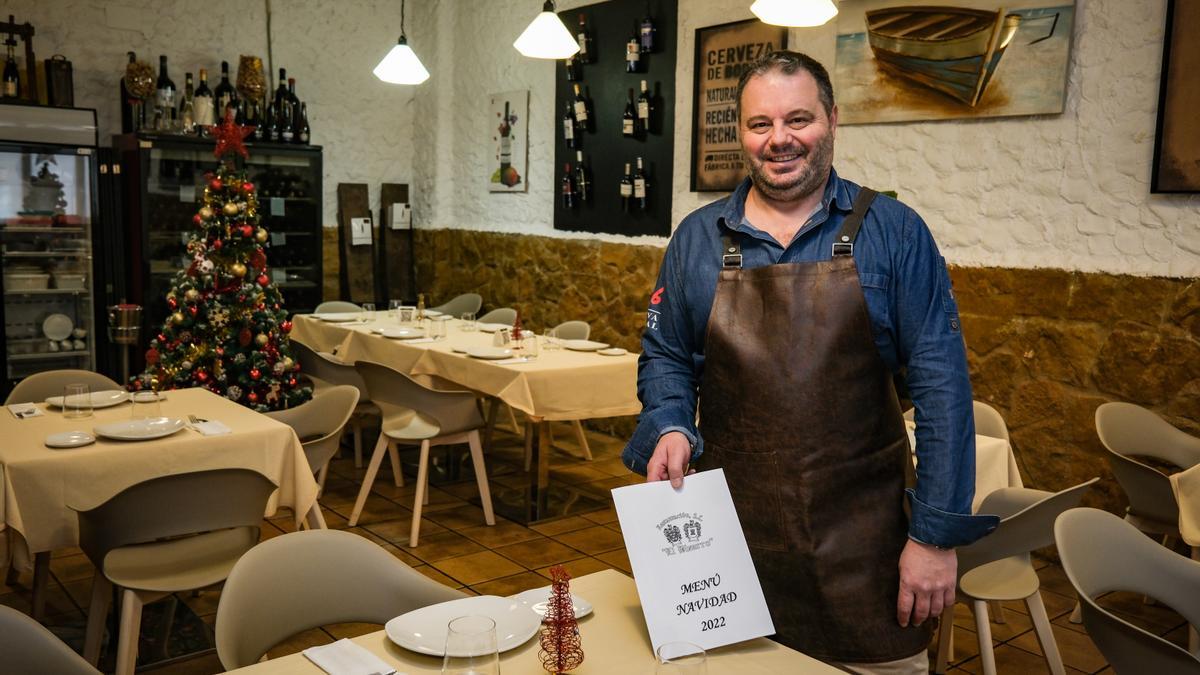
(230, 209)
(177, 317)
(191, 295)
(238, 269)
(206, 213)
(261, 339)
(261, 236)
(287, 363)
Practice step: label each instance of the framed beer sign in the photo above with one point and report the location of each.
(723, 53)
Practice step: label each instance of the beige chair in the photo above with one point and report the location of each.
(504, 315)
(567, 330)
(997, 567)
(41, 386)
(336, 307)
(284, 586)
(27, 647)
(306, 356)
(988, 421)
(175, 533)
(330, 370)
(573, 330)
(461, 304)
(1102, 554)
(318, 424)
(413, 414)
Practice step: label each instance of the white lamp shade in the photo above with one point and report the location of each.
(795, 13)
(401, 66)
(547, 38)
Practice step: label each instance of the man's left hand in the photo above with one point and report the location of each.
(928, 577)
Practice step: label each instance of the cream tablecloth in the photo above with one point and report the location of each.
(40, 485)
(615, 640)
(558, 385)
(995, 465)
(1186, 485)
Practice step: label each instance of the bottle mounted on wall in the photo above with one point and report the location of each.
(568, 125)
(646, 33)
(585, 42)
(581, 110)
(568, 188)
(582, 181)
(639, 186)
(629, 120)
(626, 188)
(633, 55)
(572, 72)
(643, 108)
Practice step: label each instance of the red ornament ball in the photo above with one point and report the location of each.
(201, 376)
(217, 244)
(196, 219)
(220, 351)
(247, 187)
(291, 381)
(151, 356)
(255, 373)
(193, 310)
(172, 303)
(286, 326)
(244, 337)
(215, 184)
(263, 280)
(247, 231)
(252, 397)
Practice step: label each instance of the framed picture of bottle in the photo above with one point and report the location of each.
(508, 117)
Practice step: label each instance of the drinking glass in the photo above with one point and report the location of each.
(394, 308)
(552, 342)
(437, 329)
(368, 312)
(680, 658)
(77, 401)
(468, 321)
(475, 637)
(529, 345)
(146, 405)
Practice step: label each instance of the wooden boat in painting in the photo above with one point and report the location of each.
(954, 50)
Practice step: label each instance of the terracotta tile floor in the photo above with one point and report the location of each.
(458, 550)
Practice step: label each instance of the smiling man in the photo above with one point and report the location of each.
(785, 310)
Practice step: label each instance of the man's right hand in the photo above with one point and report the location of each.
(670, 459)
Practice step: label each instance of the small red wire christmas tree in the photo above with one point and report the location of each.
(562, 648)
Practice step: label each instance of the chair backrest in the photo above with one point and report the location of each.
(27, 647)
(41, 386)
(302, 580)
(318, 422)
(504, 315)
(336, 307)
(989, 421)
(1102, 553)
(399, 396)
(172, 506)
(460, 304)
(328, 368)
(573, 330)
(1128, 431)
(1027, 522)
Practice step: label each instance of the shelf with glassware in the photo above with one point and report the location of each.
(164, 179)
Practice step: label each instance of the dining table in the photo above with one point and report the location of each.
(43, 488)
(1186, 486)
(614, 640)
(555, 385)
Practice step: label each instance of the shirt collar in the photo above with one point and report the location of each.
(837, 194)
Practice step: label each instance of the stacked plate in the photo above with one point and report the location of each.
(401, 333)
(100, 399)
(140, 430)
(338, 317)
(424, 630)
(584, 345)
(489, 353)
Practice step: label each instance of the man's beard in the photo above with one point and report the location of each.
(792, 187)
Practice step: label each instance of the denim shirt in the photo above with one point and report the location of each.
(914, 321)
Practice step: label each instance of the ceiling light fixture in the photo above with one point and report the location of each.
(547, 37)
(794, 13)
(401, 65)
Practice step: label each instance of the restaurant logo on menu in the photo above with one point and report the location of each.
(683, 533)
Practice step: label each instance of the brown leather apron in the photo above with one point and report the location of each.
(799, 409)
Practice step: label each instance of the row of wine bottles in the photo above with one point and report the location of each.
(577, 185)
(635, 121)
(642, 42)
(282, 118)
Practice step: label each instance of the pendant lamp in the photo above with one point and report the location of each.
(547, 37)
(794, 13)
(401, 65)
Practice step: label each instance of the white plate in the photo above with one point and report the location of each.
(612, 351)
(69, 439)
(432, 313)
(424, 630)
(490, 353)
(402, 333)
(339, 317)
(458, 350)
(493, 327)
(140, 430)
(58, 326)
(100, 399)
(584, 345)
(537, 599)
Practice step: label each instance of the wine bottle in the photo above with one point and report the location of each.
(202, 104)
(288, 132)
(281, 91)
(633, 55)
(568, 125)
(130, 109)
(646, 33)
(627, 120)
(639, 186)
(583, 183)
(569, 64)
(585, 42)
(581, 109)
(239, 112)
(12, 74)
(187, 109)
(164, 105)
(258, 118)
(226, 94)
(303, 132)
(643, 107)
(568, 188)
(626, 188)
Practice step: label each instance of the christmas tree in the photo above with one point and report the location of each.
(228, 330)
(562, 648)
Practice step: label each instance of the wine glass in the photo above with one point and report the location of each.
(394, 308)
(680, 658)
(250, 80)
(471, 647)
(552, 342)
(146, 405)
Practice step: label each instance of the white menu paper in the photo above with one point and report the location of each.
(693, 570)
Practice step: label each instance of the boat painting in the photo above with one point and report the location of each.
(965, 58)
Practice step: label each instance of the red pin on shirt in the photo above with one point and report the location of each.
(656, 298)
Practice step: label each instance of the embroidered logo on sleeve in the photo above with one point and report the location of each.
(656, 297)
(652, 314)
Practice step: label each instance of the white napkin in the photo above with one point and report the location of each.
(213, 428)
(346, 658)
(23, 410)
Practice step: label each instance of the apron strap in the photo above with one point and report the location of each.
(731, 258)
(843, 245)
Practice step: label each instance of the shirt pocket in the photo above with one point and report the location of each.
(875, 291)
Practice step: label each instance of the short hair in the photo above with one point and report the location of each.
(789, 63)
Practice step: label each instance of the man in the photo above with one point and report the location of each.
(786, 308)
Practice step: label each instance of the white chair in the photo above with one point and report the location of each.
(41, 386)
(997, 568)
(413, 414)
(318, 424)
(27, 647)
(294, 582)
(179, 532)
(461, 304)
(328, 370)
(504, 315)
(336, 307)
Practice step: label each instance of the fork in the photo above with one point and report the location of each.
(195, 420)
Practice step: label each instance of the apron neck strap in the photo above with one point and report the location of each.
(843, 245)
(731, 255)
